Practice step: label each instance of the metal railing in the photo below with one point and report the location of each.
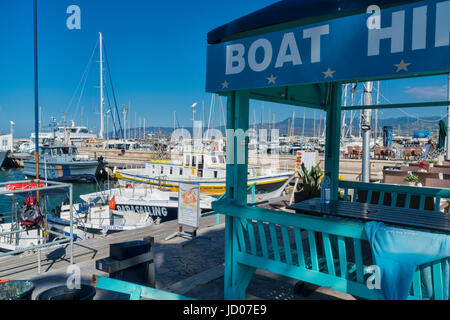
(15, 229)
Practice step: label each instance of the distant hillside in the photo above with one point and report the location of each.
(401, 125)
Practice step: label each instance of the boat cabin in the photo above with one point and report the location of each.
(194, 164)
(56, 151)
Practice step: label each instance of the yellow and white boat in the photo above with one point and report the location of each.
(204, 167)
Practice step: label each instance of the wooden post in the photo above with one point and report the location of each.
(333, 138)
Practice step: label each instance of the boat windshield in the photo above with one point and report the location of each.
(64, 151)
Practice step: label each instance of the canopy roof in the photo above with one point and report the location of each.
(291, 10)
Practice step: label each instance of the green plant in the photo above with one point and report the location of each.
(311, 180)
(412, 178)
(431, 161)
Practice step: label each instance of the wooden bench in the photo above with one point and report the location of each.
(286, 243)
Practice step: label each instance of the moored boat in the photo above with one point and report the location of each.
(60, 162)
(208, 169)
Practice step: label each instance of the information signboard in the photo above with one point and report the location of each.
(189, 205)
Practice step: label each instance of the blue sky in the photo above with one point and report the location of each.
(157, 54)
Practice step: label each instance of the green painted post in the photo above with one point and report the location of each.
(241, 121)
(236, 188)
(333, 136)
(229, 220)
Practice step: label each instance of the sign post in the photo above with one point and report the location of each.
(188, 210)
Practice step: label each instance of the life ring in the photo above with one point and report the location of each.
(24, 186)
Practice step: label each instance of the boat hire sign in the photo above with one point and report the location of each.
(189, 205)
(395, 42)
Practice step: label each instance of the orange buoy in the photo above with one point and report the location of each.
(112, 203)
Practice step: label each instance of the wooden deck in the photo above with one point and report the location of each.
(25, 265)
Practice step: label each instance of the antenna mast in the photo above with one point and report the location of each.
(102, 124)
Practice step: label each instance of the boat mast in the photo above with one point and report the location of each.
(376, 113)
(36, 92)
(366, 121)
(102, 124)
(343, 118)
(304, 116)
(314, 123)
(293, 124)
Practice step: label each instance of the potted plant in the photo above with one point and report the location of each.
(310, 187)
(431, 162)
(412, 179)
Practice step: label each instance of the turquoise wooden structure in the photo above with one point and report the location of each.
(136, 292)
(252, 235)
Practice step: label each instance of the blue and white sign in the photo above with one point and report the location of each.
(421, 134)
(408, 40)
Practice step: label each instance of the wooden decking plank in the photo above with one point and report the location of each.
(22, 267)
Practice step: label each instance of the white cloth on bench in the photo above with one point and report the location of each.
(398, 252)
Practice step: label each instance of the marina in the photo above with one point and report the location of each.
(292, 160)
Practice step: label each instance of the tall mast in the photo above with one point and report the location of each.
(304, 116)
(366, 121)
(102, 124)
(293, 124)
(343, 118)
(376, 113)
(314, 123)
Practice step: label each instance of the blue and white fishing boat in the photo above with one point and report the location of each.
(60, 162)
(6, 142)
(3, 155)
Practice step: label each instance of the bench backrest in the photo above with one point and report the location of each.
(423, 198)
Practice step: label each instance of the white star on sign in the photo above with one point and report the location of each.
(271, 79)
(402, 66)
(328, 73)
(225, 84)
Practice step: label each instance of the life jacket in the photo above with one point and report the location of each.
(112, 203)
(30, 213)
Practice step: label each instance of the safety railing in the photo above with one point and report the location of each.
(19, 188)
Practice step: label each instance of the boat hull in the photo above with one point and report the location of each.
(3, 155)
(144, 201)
(267, 184)
(65, 171)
